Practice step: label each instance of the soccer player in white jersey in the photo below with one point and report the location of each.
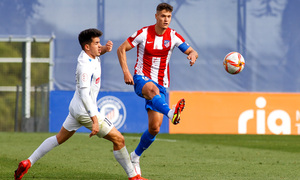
(154, 44)
(83, 109)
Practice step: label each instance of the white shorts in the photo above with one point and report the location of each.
(73, 124)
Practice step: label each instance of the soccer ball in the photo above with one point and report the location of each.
(234, 63)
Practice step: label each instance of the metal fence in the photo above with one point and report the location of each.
(25, 61)
(39, 121)
(13, 120)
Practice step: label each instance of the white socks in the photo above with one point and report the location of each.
(171, 114)
(135, 157)
(121, 155)
(123, 158)
(45, 147)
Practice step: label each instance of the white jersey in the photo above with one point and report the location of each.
(88, 76)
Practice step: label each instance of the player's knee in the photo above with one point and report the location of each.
(154, 130)
(119, 140)
(154, 91)
(149, 91)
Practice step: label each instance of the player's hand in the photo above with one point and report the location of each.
(128, 78)
(109, 46)
(192, 57)
(95, 127)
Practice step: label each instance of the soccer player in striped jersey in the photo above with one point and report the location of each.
(83, 110)
(155, 44)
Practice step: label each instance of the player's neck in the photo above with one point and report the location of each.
(90, 55)
(159, 30)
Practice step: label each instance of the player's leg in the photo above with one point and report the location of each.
(43, 149)
(155, 120)
(109, 132)
(148, 89)
(158, 101)
(50, 143)
(156, 93)
(67, 130)
(69, 127)
(151, 92)
(116, 138)
(120, 150)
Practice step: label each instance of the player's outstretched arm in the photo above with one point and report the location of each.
(107, 47)
(123, 62)
(192, 55)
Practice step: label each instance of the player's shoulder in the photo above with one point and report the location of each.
(147, 27)
(84, 60)
(83, 56)
(174, 33)
(142, 30)
(141, 33)
(171, 30)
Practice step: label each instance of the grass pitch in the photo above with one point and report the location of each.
(171, 157)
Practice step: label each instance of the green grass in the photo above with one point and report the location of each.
(170, 157)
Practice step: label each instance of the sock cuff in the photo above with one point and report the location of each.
(120, 151)
(149, 136)
(54, 140)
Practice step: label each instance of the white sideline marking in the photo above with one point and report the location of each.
(157, 139)
(133, 137)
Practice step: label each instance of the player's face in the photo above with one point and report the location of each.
(94, 49)
(163, 19)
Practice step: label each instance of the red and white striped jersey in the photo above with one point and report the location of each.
(154, 52)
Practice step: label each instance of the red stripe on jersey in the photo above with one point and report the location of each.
(153, 53)
(131, 38)
(156, 52)
(180, 37)
(166, 48)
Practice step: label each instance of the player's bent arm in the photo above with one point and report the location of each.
(123, 61)
(107, 47)
(192, 55)
(125, 46)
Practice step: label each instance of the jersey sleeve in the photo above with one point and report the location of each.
(84, 85)
(84, 77)
(91, 109)
(136, 38)
(180, 43)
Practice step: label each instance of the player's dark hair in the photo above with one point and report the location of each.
(85, 36)
(164, 6)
